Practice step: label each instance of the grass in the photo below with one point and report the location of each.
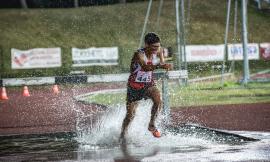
(107, 99)
(116, 25)
(208, 94)
(201, 94)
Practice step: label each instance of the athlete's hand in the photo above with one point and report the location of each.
(167, 66)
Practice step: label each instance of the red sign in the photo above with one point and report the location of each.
(265, 51)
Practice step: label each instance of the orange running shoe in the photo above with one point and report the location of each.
(155, 132)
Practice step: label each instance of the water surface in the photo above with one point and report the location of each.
(99, 141)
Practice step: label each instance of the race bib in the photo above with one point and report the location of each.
(143, 76)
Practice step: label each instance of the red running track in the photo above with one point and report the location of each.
(44, 112)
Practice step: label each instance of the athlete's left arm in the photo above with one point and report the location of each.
(162, 63)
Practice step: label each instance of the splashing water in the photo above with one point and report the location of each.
(105, 134)
(107, 128)
(101, 141)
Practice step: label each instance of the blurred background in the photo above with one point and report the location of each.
(67, 24)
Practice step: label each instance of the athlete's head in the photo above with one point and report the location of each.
(151, 38)
(152, 42)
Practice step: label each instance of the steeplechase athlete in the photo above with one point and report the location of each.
(141, 84)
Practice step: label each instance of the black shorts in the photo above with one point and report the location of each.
(136, 94)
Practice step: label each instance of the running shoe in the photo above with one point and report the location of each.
(155, 132)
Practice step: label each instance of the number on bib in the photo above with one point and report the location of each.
(143, 76)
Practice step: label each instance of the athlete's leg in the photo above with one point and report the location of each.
(154, 94)
(131, 109)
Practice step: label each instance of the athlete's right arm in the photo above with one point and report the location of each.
(145, 67)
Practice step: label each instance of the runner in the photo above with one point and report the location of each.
(141, 84)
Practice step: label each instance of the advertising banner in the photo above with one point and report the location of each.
(265, 51)
(35, 58)
(235, 51)
(95, 56)
(204, 53)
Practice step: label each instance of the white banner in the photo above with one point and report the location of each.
(235, 51)
(95, 56)
(35, 58)
(204, 53)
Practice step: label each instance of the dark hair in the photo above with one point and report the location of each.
(151, 38)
